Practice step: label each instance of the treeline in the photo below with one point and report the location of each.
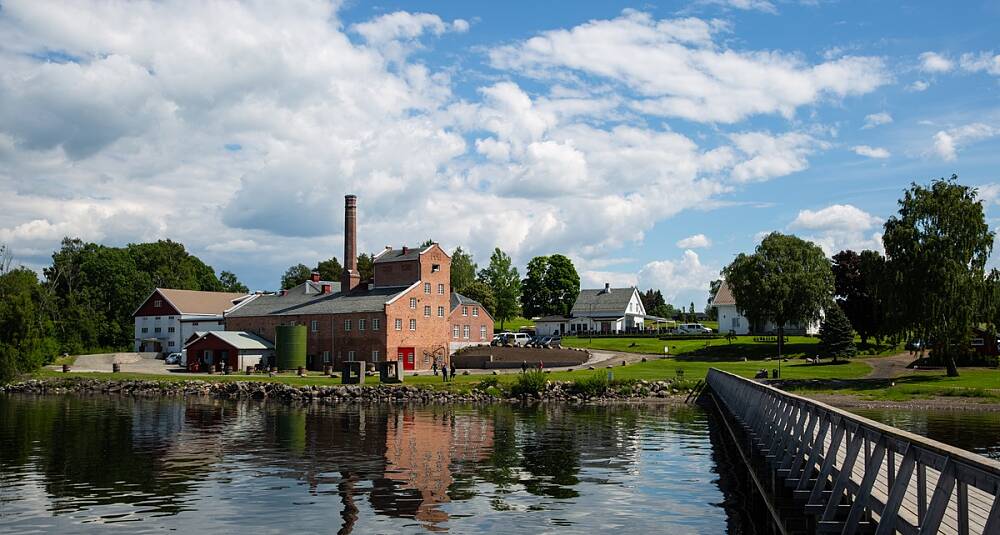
(931, 285)
(84, 302)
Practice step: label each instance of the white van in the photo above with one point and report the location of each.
(518, 339)
(693, 328)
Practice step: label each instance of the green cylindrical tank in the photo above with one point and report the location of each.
(290, 346)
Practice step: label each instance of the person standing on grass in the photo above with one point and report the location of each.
(453, 370)
(524, 366)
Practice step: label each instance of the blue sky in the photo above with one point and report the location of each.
(649, 142)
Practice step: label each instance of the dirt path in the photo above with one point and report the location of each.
(889, 367)
(129, 362)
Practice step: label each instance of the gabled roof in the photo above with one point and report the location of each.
(237, 339)
(724, 296)
(195, 301)
(605, 302)
(553, 319)
(397, 255)
(307, 298)
(458, 300)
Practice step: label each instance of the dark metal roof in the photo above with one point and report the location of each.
(458, 299)
(602, 302)
(305, 299)
(397, 255)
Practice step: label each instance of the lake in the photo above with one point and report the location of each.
(79, 464)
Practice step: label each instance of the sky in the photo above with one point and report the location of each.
(649, 142)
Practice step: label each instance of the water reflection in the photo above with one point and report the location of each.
(976, 431)
(69, 462)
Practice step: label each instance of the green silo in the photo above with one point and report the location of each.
(290, 346)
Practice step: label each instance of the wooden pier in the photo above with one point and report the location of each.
(857, 475)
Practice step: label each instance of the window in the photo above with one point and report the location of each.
(427, 311)
(314, 326)
(361, 324)
(170, 343)
(195, 324)
(326, 356)
(482, 332)
(374, 324)
(413, 325)
(465, 332)
(413, 303)
(347, 325)
(440, 312)
(454, 331)
(145, 329)
(399, 324)
(375, 356)
(475, 311)
(736, 323)
(157, 318)
(350, 356)
(170, 317)
(156, 329)
(440, 289)
(170, 329)
(157, 304)
(465, 311)
(427, 287)
(435, 268)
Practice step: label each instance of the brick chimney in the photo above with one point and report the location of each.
(314, 276)
(351, 277)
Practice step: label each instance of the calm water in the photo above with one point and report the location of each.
(79, 464)
(975, 431)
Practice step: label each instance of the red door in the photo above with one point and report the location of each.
(406, 355)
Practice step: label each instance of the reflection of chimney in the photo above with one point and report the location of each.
(351, 277)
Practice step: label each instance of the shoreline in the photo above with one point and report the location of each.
(943, 403)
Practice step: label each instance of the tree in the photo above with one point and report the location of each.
(296, 275)
(329, 270)
(502, 278)
(563, 283)
(232, 284)
(463, 270)
(535, 296)
(427, 243)
(786, 279)
(936, 250)
(481, 292)
(836, 336)
(366, 266)
(653, 302)
(27, 336)
(859, 286)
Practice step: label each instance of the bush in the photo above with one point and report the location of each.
(529, 383)
(593, 386)
(488, 383)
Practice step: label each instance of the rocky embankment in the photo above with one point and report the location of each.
(554, 391)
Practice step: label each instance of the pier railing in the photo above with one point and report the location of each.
(858, 475)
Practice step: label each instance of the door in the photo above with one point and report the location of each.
(406, 354)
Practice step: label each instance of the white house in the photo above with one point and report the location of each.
(602, 310)
(730, 318)
(167, 318)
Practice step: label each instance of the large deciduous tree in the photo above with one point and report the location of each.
(481, 292)
(230, 283)
(551, 286)
(502, 278)
(329, 270)
(296, 275)
(936, 251)
(366, 266)
(786, 279)
(463, 271)
(860, 287)
(535, 296)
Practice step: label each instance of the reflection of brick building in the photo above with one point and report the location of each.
(401, 314)
(421, 447)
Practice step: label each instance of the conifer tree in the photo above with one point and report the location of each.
(836, 336)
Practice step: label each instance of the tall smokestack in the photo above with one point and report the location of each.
(351, 277)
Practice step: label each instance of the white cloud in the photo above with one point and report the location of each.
(877, 119)
(838, 227)
(932, 62)
(918, 86)
(681, 277)
(870, 152)
(989, 193)
(947, 142)
(676, 68)
(771, 156)
(694, 242)
(745, 5)
(981, 62)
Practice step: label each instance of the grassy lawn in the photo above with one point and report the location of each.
(742, 346)
(514, 325)
(979, 383)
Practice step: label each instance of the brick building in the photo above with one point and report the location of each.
(403, 313)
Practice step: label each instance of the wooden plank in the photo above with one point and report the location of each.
(890, 513)
(939, 501)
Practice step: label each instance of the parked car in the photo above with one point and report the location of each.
(517, 339)
(500, 339)
(553, 341)
(173, 358)
(693, 328)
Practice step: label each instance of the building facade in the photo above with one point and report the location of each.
(471, 324)
(167, 318)
(731, 320)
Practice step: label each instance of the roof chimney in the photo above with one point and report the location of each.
(351, 277)
(406, 249)
(607, 287)
(327, 288)
(314, 276)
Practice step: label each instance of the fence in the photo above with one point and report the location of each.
(856, 474)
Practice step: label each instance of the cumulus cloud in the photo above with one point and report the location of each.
(677, 68)
(684, 276)
(918, 86)
(947, 142)
(838, 227)
(870, 152)
(932, 62)
(981, 62)
(770, 156)
(745, 5)
(877, 119)
(695, 241)
(396, 33)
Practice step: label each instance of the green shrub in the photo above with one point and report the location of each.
(529, 383)
(488, 383)
(595, 385)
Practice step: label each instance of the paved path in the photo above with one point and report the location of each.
(129, 362)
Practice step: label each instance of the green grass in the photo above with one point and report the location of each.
(514, 325)
(719, 348)
(977, 383)
(68, 359)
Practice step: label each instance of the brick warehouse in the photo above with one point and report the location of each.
(403, 313)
